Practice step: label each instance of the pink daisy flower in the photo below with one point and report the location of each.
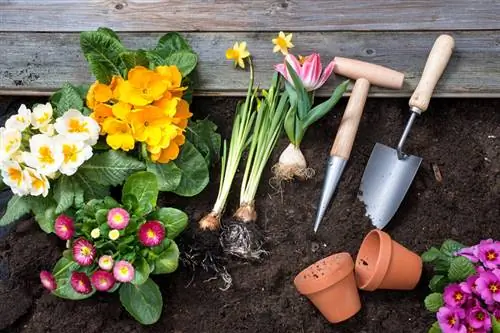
(102, 280)
(81, 283)
(123, 271)
(151, 233)
(64, 227)
(48, 280)
(83, 252)
(118, 218)
(106, 263)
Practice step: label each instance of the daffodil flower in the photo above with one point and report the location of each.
(78, 127)
(41, 115)
(14, 176)
(38, 183)
(282, 43)
(21, 120)
(238, 53)
(46, 154)
(10, 142)
(75, 154)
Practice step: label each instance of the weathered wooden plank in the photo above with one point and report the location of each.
(255, 15)
(34, 63)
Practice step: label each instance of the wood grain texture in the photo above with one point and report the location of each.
(35, 63)
(254, 15)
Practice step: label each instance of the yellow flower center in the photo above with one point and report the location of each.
(16, 175)
(493, 287)
(64, 228)
(103, 281)
(76, 126)
(124, 270)
(281, 42)
(45, 155)
(458, 296)
(150, 233)
(20, 119)
(11, 144)
(451, 321)
(118, 218)
(37, 183)
(491, 255)
(480, 316)
(85, 251)
(232, 54)
(45, 116)
(70, 153)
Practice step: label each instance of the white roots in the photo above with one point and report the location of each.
(210, 222)
(292, 164)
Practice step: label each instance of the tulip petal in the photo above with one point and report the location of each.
(326, 74)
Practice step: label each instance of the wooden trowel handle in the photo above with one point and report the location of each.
(350, 121)
(434, 68)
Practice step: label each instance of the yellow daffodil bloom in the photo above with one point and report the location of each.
(142, 87)
(282, 43)
(98, 93)
(238, 53)
(119, 134)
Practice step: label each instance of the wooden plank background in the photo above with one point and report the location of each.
(38, 63)
(251, 15)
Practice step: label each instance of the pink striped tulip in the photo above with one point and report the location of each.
(309, 71)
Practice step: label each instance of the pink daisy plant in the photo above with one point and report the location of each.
(80, 282)
(151, 233)
(123, 271)
(48, 280)
(118, 218)
(106, 262)
(83, 252)
(102, 280)
(64, 227)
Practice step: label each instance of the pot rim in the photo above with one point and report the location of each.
(383, 259)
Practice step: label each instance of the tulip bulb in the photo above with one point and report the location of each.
(292, 164)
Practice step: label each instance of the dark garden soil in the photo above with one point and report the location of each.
(461, 138)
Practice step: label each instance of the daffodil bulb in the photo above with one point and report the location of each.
(10, 142)
(41, 115)
(77, 127)
(21, 120)
(46, 154)
(292, 164)
(75, 154)
(14, 176)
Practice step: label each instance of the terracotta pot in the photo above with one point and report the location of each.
(383, 263)
(330, 285)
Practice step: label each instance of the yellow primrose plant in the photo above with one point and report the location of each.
(88, 139)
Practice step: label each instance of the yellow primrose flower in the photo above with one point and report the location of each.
(282, 43)
(114, 234)
(10, 142)
(46, 154)
(75, 154)
(21, 120)
(95, 233)
(173, 79)
(142, 87)
(167, 105)
(171, 152)
(121, 110)
(14, 176)
(78, 127)
(41, 115)
(101, 113)
(98, 93)
(238, 53)
(182, 114)
(119, 134)
(147, 124)
(38, 183)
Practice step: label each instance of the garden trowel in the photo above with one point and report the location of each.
(390, 172)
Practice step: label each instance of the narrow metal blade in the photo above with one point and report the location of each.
(385, 182)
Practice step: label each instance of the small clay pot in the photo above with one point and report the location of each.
(383, 263)
(330, 285)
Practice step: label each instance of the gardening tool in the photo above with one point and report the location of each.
(389, 171)
(364, 73)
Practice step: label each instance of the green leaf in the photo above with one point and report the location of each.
(303, 101)
(102, 52)
(62, 272)
(438, 282)
(141, 271)
(495, 324)
(69, 98)
(44, 210)
(168, 175)
(109, 32)
(289, 124)
(110, 168)
(185, 61)
(435, 328)
(16, 208)
(143, 302)
(431, 255)
(450, 246)
(170, 43)
(194, 169)
(134, 58)
(460, 269)
(175, 220)
(322, 109)
(202, 134)
(64, 193)
(91, 190)
(433, 302)
(168, 260)
(144, 186)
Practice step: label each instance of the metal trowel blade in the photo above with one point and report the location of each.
(385, 182)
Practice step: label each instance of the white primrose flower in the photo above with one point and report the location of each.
(77, 127)
(21, 120)
(46, 154)
(75, 154)
(48, 129)
(10, 142)
(41, 115)
(38, 183)
(15, 177)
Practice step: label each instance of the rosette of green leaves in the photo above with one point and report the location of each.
(141, 297)
(186, 176)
